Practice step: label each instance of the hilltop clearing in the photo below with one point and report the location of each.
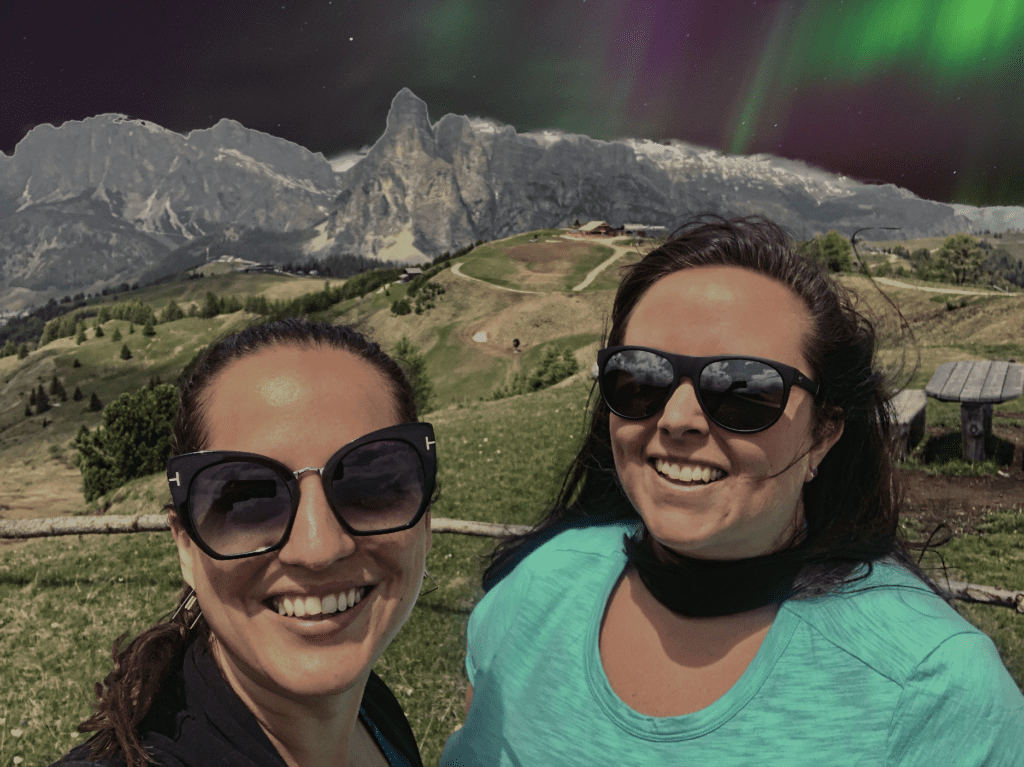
(465, 333)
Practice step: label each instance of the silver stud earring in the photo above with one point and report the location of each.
(814, 472)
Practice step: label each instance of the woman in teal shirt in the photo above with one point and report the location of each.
(722, 580)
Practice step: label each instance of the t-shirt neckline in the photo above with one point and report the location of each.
(685, 726)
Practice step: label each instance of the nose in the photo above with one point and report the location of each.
(317, 538)
(683, 413)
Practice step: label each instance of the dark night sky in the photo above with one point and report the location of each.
(927, 94)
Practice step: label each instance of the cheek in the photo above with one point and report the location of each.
(225, 585)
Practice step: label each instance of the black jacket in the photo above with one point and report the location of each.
(199, 721)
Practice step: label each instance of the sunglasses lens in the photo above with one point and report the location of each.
(745, 395)
(636, 383)
(379, 486)
(239, 507)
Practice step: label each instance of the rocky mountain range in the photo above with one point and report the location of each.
(110, 199)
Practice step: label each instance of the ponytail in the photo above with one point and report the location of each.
(141, 670)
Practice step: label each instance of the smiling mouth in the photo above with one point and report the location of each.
(317, 608)
(687, 473)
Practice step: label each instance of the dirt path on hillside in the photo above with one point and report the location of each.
(897, 284)
(618, 252)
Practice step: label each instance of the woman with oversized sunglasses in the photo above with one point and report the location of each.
(301, 486)
(722, 580)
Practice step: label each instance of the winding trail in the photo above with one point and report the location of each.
(949, 291)
(619, 252)
(457, 269)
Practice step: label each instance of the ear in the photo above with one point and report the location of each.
(832, 431)
(188, 552)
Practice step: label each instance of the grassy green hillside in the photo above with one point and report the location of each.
(62, 601)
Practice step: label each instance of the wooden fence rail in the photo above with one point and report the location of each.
(151, 523)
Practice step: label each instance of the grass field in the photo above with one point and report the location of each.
(64, 600)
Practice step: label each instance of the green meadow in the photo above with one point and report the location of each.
(64, 600)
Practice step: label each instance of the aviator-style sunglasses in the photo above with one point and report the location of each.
(236, 505)
(740, 394)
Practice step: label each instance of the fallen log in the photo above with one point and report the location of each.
(987, 595)
(151, 523)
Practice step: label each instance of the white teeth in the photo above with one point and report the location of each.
(687, 473)
(301, 607)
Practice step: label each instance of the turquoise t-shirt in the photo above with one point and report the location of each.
(886, 676)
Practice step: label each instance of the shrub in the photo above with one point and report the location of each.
(133, 440)
(400, 307)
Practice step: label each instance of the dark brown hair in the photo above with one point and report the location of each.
(852, 506)
(150, 663)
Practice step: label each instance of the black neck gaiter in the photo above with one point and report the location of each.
(704, 588)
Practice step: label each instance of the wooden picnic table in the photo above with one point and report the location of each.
(976, 385)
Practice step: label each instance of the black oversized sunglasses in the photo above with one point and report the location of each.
(740, 394)
(237, 505)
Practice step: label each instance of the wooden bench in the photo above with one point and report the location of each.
(908, 415)
(976, 385)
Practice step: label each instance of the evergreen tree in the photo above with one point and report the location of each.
(131, 327)
(147, 329)
(126, 353)
(22, 351)
(117, 335)
(961, 255)
(77, 396)
(76, 363)
(80, 335)
(42, 401)
(94, 403)
(99, 330)
(172, 312)
(211, 306)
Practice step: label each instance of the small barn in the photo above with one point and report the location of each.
(410, 273)
(597, 229)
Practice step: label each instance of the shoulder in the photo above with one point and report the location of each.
(575, 545)
(890, 620)
(384, 710)
(569, 556)
(569, 569)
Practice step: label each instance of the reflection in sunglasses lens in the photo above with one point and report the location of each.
(637, 383)
(742, 394)
(379, 486)
(239, 507)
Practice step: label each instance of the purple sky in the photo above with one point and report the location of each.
(927, 94)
